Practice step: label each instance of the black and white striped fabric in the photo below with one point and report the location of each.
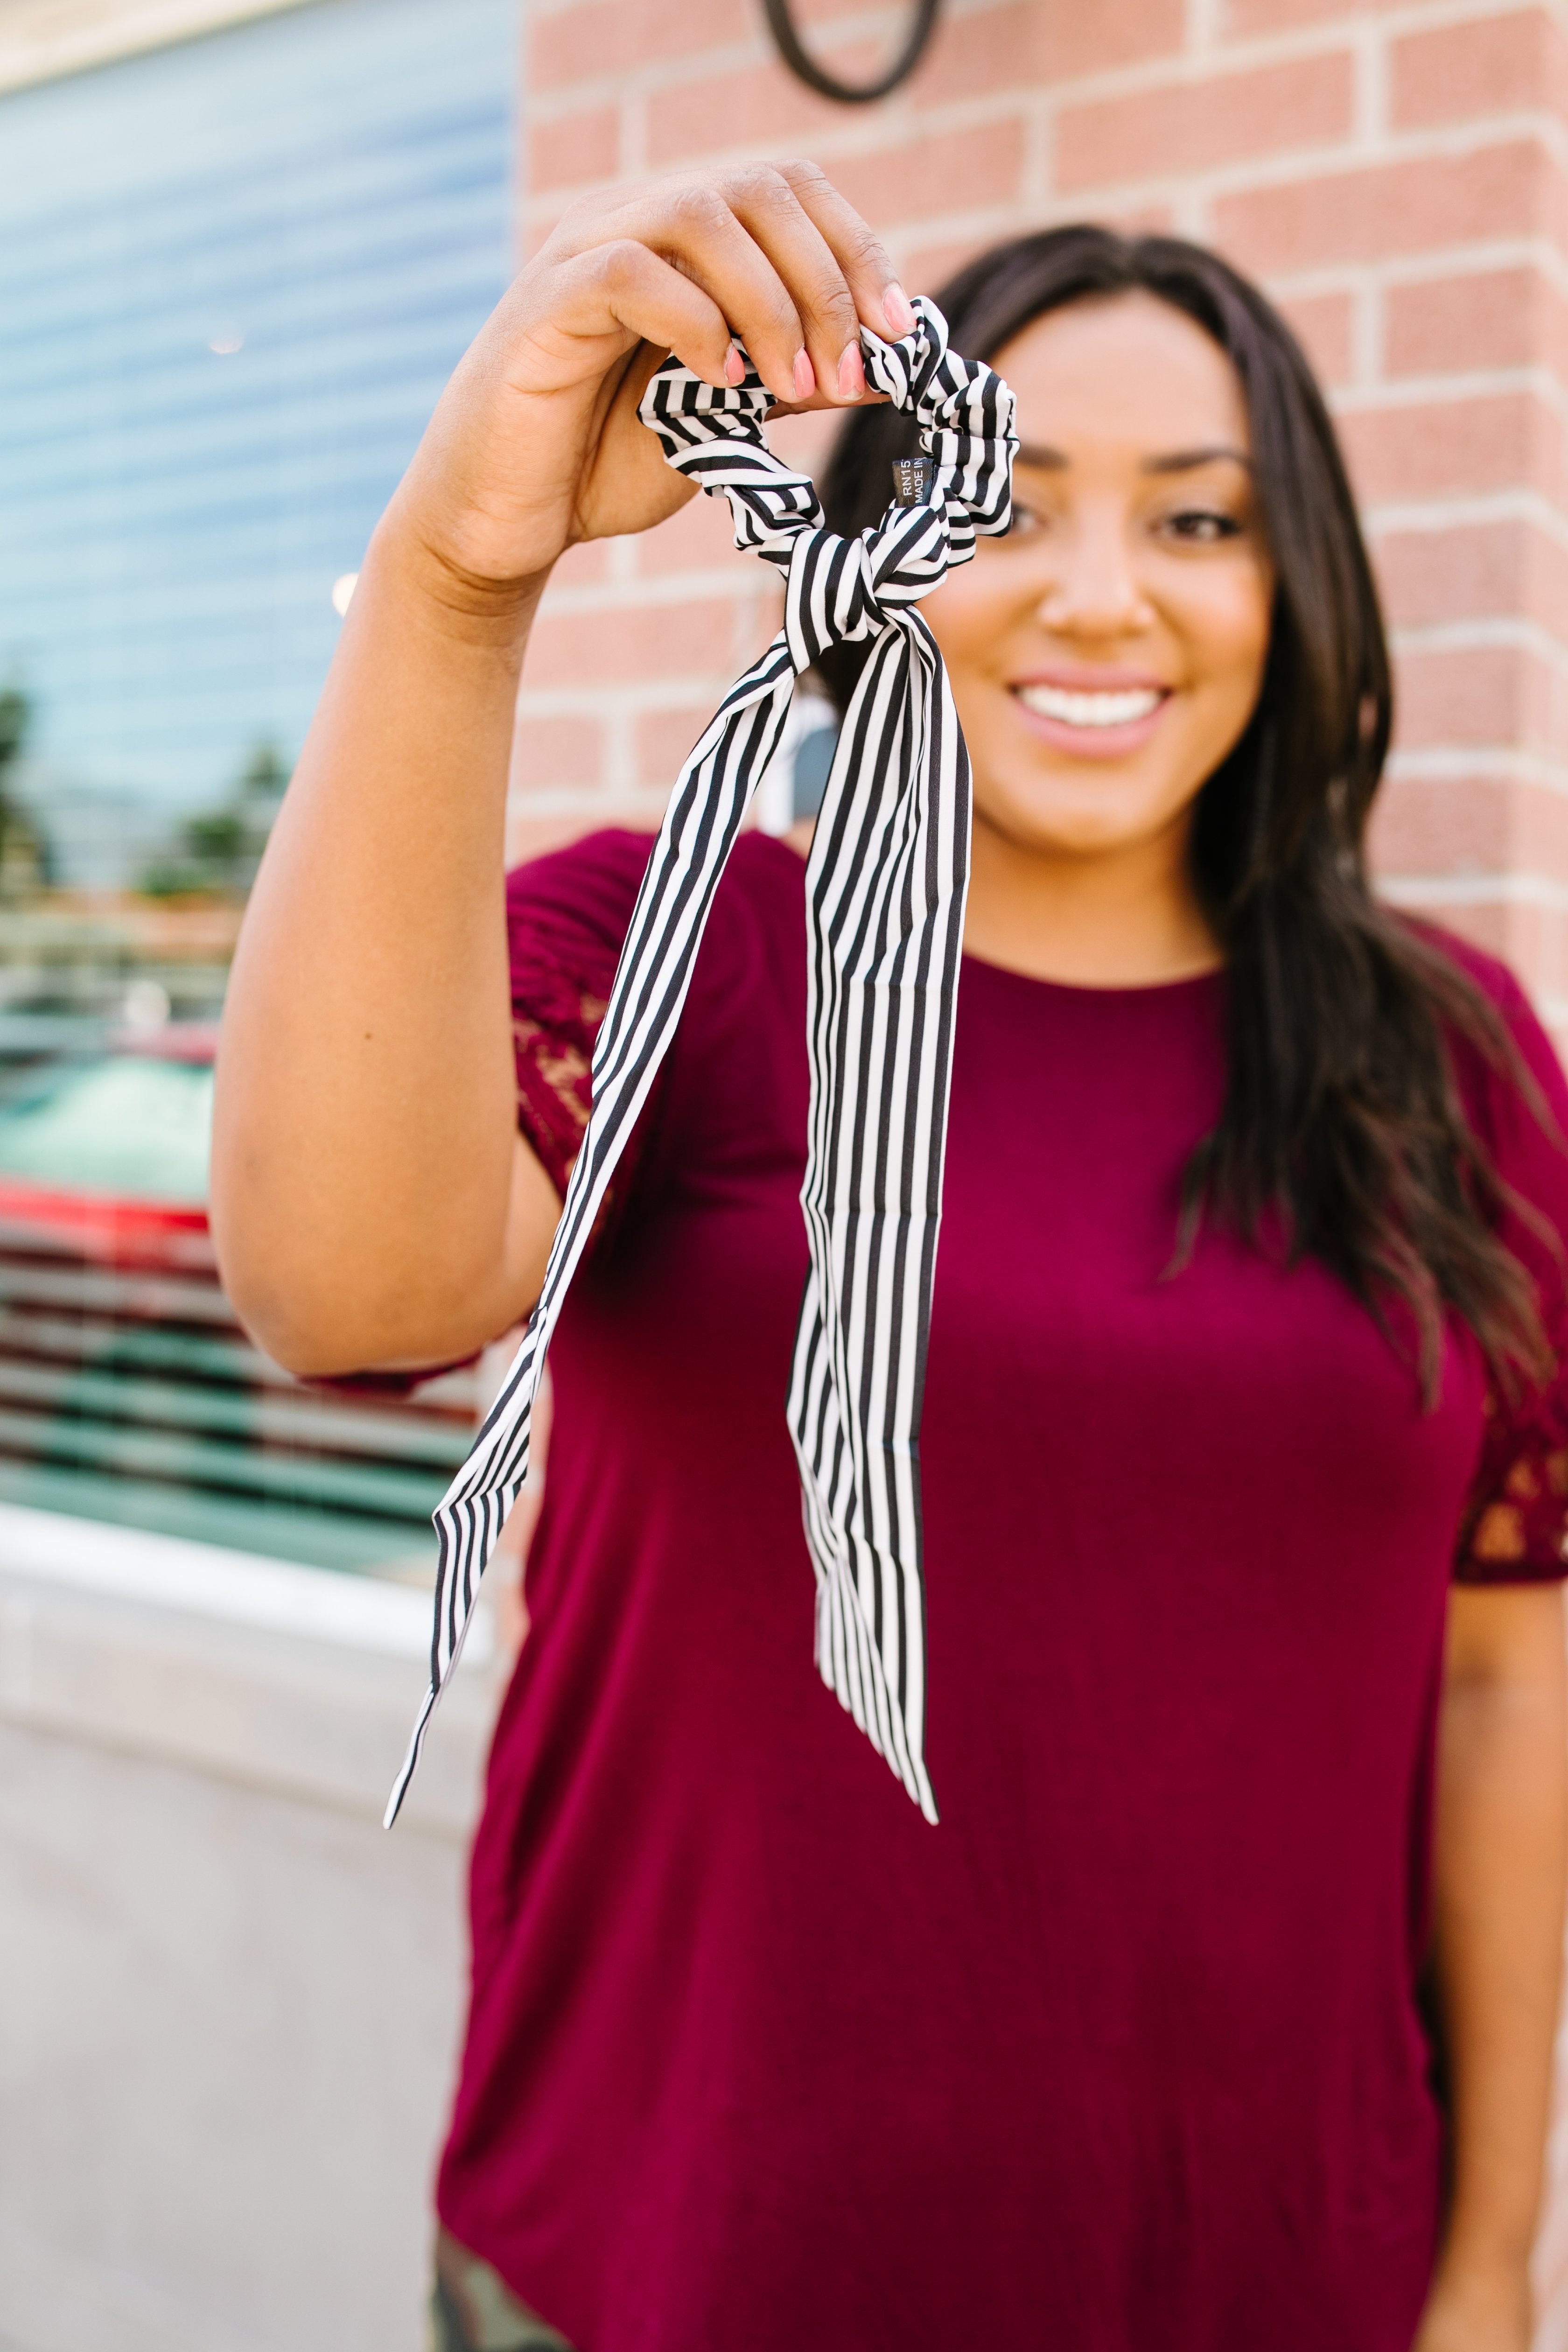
(884, 895)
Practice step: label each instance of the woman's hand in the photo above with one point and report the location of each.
(1476, 2308)
(537, 443)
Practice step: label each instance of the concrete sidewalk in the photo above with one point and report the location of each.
(231, 2000)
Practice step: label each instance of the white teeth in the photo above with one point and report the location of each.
(1091, 709)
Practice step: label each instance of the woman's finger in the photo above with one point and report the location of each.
(767, 207)
(621, 285)
(880, 301)
(697, 228)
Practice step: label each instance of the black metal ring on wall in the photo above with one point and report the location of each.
(827, 85)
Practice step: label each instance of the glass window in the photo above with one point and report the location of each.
(235, 275)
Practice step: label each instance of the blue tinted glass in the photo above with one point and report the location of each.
(234, 277)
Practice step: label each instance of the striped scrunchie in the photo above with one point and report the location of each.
(885, 890)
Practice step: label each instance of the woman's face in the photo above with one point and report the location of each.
(1107, 654)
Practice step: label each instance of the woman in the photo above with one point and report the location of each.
(1247, 1311)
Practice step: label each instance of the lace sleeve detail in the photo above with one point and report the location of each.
(566, 917)
(553, 1031)
(1515, 1529)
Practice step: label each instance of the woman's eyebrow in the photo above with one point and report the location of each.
(1046, 460)
(1181, 461)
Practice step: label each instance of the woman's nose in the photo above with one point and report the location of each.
(1094, 589)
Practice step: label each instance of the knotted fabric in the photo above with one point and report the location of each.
(885, 889)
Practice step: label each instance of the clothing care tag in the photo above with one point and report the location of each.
(912, 478)
(884, 888)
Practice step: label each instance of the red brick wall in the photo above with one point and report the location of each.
(1394, 175)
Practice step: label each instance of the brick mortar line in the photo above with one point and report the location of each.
(1370, 88)
(1037, 171)
(617, 751)
(1384, 395)
(685, 691)
(1549, 786)
(1397, 24)
(1368, 334)
(1505, 764)
(649, 591)
(553, 696)
(1348, 279)
(603, 802)
(1513, 633)
(1311, 166)
(1467, 513)
(990, 225)
(550, 696)
(1514, 887)
(959, 12)
(1423, 268)
(1423, 391)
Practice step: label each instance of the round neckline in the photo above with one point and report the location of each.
(1106, 988)
(1088, 988)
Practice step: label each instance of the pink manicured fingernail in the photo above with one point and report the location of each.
(851, 374)
(898, 311)
(734, 366)
(805, 376)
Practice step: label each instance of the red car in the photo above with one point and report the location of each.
(129, 1392)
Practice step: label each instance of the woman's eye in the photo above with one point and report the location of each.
(1203, 526)
(1024, 520)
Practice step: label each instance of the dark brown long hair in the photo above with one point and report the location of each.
(1342, 1125)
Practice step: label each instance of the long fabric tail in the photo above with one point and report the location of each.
(885, 890)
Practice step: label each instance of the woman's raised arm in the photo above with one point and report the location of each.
(373, 1202)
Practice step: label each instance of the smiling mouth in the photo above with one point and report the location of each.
(1070, 707)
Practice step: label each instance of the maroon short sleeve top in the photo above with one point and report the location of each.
(1126, 2052)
